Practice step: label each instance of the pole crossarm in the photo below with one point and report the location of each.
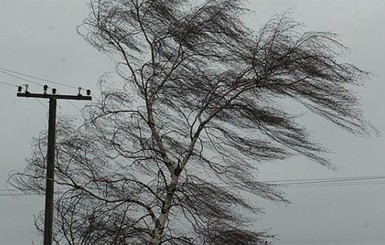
(54, 96)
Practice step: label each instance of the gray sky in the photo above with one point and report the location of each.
(39, 38)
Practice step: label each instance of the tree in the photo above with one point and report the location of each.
(167, 156)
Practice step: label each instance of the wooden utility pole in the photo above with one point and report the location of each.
(49, 190)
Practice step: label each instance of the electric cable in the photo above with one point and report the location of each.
(330, 241)
(12, 85)
(326, 179)
(9, 71)
(41, 103)
(330, 182)
(6, 71)
(326, 182)
(21, 78)
(9, 84)
(77, 108)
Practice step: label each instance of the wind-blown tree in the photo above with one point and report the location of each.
(167, 155)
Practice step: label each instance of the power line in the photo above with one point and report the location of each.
(329, 241)
(17, 194)
(41, 103)
(9, 84)
(325, 182)
(6, 71)
(326, 179)
(9, 71)
(21, 78)
(73, 105)
(330, 182)
(77, 108)
(12, 85)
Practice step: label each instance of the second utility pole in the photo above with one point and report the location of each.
(49, 190)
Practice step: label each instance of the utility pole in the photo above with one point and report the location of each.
(49, 191)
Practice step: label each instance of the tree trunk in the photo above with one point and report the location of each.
(163, 217)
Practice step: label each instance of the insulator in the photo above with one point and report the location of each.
(19, 89)
(88, 92)
(54, 91)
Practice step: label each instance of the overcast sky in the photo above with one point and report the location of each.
(39, 38)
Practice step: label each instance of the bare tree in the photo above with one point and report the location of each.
(167, 156)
